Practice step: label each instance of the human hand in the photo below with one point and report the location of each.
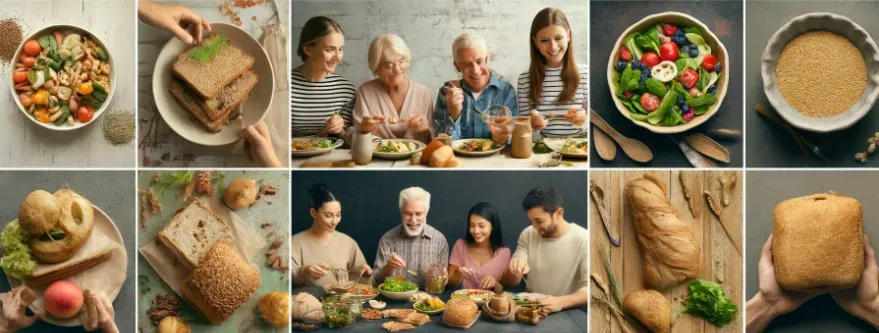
(862, 301)
(396, 262)
(14, 303)
(519, 267)
(258, 143)
(367, 271)
(317, 271)
(454, 98)
(576, 116)
(179, 20)
(417, 124)
(369, 124)
(780, 300)
(538, 122)
(487, 282)
(552, 303)
(334, 125)
(500, 129)
(103, 318)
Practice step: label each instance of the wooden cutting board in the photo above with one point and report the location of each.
(720, 262)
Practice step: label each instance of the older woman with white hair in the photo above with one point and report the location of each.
(392, 106)
(413, 245)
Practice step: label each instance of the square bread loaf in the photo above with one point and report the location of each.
(818, 242)
(221, 283)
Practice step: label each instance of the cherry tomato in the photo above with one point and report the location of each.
(625, 54)
(669, 51)
(32, 48)
(27, 61)
(650, 59)
(668, 29)
(19, 77)
(708, 62)
(689, 77)
(85, 113)
(649, 102)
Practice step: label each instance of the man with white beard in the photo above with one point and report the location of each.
(412, 245)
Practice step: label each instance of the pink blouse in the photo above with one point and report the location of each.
(372, 99)
(494, 267)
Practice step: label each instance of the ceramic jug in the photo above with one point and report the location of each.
(362, 148)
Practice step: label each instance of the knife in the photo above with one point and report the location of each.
(598, 196)
(696, 159)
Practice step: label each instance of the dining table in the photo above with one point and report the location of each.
(499, 160)
(570, 320)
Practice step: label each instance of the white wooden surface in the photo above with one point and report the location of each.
(165, 148)
(27, 145)
(497, 161)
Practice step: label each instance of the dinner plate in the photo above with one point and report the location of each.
(253, 109)
(315, 152)
(427, 312)
(556, 145)
(458, 143)
(398, 156)
(478, 300)
(103, 226)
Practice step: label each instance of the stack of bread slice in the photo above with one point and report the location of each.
(210, 85)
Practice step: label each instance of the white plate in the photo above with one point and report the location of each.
(459, 143)
(253, 108)
(315, 152)
(556, 145)
(427, 312)
(478, 300)
(83, 32)
(104, 226)
(397, 156)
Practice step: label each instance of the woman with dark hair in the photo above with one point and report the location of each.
(321, 101)
(319, 250)
(554, 85)
(479, 259)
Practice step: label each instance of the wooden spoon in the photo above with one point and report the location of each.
(605, 147)
(634, 149)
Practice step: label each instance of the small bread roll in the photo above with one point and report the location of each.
(38, 213)
(651, 308)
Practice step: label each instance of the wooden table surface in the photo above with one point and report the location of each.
(26, 144)
(159, 145)
(719, 260)
(500, 160)
(270, 210)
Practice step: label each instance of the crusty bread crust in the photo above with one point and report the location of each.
(189, 70)
(197, 108)
(818, 242)
(165, 234)
(67, 269)
(651, 308)
(221, 283)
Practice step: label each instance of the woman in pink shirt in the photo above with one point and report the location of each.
(479, 260)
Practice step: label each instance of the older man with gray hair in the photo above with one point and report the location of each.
(413, 245)
(458, 101)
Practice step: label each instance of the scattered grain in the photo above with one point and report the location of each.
(118, 127)
(11, 37)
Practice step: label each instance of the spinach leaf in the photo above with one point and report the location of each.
(700, 110)
(632, 46)
(692, 30)
(704, 100)
(656, 116)
(636, 102)
(638, 116)
(672, 117)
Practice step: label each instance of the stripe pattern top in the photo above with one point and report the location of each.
(311, 103)
(552, 87)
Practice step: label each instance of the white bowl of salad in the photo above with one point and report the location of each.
(668, 73)
(63, 77)
(397, 289)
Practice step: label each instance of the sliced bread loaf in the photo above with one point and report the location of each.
(238, 92)
(230, 96)
(209, 77)
(192, 232)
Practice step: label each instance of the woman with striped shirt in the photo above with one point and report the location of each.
(321, 101)
(554, 84)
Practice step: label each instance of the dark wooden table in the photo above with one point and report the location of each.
(768, 144)
(609, 21)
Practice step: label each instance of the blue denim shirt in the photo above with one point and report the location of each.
(469, 125)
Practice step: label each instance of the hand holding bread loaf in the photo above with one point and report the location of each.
(671, 253)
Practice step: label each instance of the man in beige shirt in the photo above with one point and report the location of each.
(552, 252)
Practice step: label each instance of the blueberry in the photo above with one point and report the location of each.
(679, 32)
(680, 100)
(694, 53)
(685, 49)
(694, 46)
(712, 90)
(685, 108)
(645, 73)
(717, 68)
(620, 66)
(636, 63)
(643, 66)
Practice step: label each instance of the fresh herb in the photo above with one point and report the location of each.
(541, 148)
(324, 144)
(16, 261)
(427, 308)
(175, 178)
(203, 53)
(707, 300)
(398, 286)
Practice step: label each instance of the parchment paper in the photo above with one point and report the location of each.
(246, 241)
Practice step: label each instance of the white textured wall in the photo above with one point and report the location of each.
(429, 27)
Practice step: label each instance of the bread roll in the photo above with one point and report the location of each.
(651, 308)
(460, 312)
(671, 253)
(38, 213)
(818, 242)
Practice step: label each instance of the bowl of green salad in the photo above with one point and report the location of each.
(397, 289)
(668, 73)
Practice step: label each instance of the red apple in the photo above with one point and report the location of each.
(63, 299)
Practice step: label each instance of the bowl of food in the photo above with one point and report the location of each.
(478, 296)
(816, 89)
(397, 149)
(63, 77)
(430, 306)
(398, 290)
(476, 147)
(668, 73)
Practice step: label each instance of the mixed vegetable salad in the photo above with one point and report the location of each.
(398, 285)
(666, 75)
(62, 77)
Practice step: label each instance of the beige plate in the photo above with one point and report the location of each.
(104, 226)
(459, 143)
(478, 300)
(397, 156)
(254, 108)
(557, 143)
(427, 312)
(314, 152)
